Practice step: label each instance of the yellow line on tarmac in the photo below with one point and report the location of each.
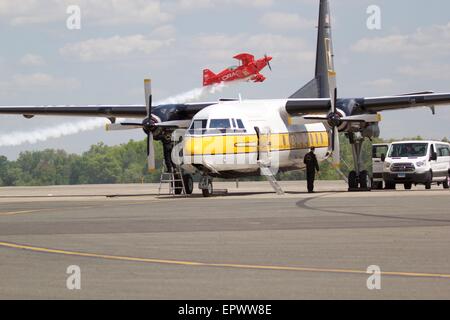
(217, 265)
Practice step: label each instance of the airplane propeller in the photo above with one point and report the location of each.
(149, 125)
(335, 120)
(266, 57)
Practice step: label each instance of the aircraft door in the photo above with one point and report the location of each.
(264, 144)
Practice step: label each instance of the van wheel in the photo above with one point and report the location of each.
(377, 185)
(390, 186)
(428, 183)
(408, 186)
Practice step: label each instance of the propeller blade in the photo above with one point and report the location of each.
(336, 148)
(151, 153)
(123, 126)
(148, 96)
(318, 118)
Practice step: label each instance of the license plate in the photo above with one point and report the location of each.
(402, 175)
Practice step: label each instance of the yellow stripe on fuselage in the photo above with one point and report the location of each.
(238, 144)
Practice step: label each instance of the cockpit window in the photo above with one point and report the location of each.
(220, 124)
(240, 124)
(198, 127)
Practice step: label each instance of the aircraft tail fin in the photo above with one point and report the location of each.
(207, 76)
(324, 83)
(310, 90)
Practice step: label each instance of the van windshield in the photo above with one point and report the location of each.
(408, 150)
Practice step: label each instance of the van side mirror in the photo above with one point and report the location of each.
(434, 156)
(383, 157)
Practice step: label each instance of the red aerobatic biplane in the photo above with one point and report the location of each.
(248, 70)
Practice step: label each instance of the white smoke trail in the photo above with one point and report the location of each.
(18, 138)
(64, 129)
(193, 95)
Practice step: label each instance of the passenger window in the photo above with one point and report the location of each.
(234, 123)
(443, 151)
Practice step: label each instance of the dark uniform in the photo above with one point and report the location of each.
(311, 166)
(167, 149)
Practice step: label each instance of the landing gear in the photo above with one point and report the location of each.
(206, 186)
(364, 181)
(446, 184)
(358, 179)
(408, 186)
(188, 183)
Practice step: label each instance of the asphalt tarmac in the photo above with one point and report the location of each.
(130, 243)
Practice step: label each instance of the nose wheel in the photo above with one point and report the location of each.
(206, 185)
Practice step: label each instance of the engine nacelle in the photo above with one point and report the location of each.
(372, 130)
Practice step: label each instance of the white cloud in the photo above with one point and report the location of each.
(286, 21)
(32, 60)
(220, 47)
(384, 83)
(106, 12)
(181, 5)
(426, 71)
(423, 43)
(36, 82)
(114, 47)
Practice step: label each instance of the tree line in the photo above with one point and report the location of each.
(125, 163)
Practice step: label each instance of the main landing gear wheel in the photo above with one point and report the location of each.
(188, 183)
(209, 191)
(364, 181)
(353, 180)
(408, 186)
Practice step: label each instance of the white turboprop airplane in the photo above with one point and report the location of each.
(232, 139)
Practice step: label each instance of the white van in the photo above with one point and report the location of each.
(417, 162)
(379, 152)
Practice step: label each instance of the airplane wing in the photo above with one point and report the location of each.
(107, 111)
(378, 104)
(164, 112)
(301, 107)
(246, 58)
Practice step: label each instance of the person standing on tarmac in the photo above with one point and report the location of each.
(311, 166)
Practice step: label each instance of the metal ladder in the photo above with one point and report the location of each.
(267, 172)
(172, 178)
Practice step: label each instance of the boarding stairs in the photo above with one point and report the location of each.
(175, 181)
(266, 171)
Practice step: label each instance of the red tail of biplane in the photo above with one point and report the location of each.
(208, 75)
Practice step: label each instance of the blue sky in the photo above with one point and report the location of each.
(121, 42)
